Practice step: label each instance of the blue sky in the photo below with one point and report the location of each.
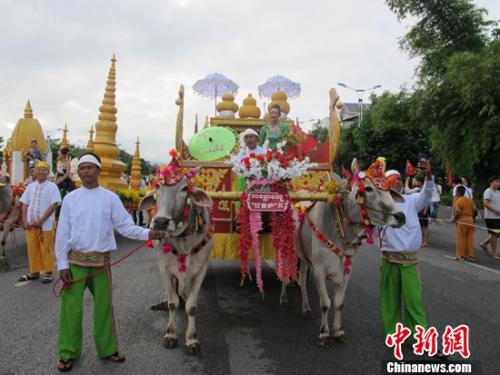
(57, 54)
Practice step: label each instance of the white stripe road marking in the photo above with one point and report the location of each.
(475, 265)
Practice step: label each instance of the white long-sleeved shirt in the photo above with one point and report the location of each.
(39, 197)
(258, 150)
(407, 238)
(88, 218)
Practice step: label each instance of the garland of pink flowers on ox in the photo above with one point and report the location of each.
(170, 174)
(270, 171)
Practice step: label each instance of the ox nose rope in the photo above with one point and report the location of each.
(57, 293)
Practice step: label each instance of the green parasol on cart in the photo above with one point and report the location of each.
(212, 143)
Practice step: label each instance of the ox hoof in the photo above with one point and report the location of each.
(340, 337)
(284, 305)
(323, 341)
(307, 315)
(169, 342)
(194, 348)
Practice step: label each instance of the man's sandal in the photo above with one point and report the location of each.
(27, 277)
(65, 365)
(47, 279)
(116, 357)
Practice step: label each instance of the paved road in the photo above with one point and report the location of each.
(241, 333)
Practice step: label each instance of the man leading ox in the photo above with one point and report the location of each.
(84, 242)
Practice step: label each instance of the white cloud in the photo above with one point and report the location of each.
(58, 56)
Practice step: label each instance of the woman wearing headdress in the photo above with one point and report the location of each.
(274, 132)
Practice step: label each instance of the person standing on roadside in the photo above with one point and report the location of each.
(436, 200)
(491, 201)
(463, 212)
(39, 202)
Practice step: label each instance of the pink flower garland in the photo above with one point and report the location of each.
(250, 225)
(255, 227)
(181, 260)
(245, 240)
(283, 228)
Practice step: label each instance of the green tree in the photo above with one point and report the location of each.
(392, 128)
(465, 110)
(444, 27)
(459, 80)
(320, 133)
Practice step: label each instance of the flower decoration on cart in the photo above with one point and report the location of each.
(272, 165)
(268, 183)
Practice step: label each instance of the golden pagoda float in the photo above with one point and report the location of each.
(219, 180)
(26, 130)
(132, 195)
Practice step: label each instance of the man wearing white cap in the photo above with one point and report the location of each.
(400, 292)
(251, 144)
(39, 202)
(84, 241)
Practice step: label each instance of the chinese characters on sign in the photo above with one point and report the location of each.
(267, 201)
(454, 340)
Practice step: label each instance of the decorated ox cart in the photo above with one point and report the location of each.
(205, 214)
(219, 180)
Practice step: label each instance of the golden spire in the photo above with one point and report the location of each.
(28, 112)
(334, 126)
(107, 111)
(105, 136)
(179, 128)
(64, 141)
(135, 173)
(90, 143)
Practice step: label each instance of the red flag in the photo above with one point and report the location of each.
(346, 173)
(410, 169)
(309, 142)
(449, 177)
(298, 131)
(196, 124)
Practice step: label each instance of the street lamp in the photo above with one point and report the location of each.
(359, 93)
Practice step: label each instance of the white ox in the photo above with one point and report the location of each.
(10, 213)
(186, 237)
(342, 225)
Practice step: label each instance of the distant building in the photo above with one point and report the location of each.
(349, 113)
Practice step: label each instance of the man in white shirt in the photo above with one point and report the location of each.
(39, 202)
(251, 144)
(400, 280)
(436, 199)
(491, 202)
(84, 241)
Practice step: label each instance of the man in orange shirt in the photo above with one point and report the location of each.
(463, 212)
